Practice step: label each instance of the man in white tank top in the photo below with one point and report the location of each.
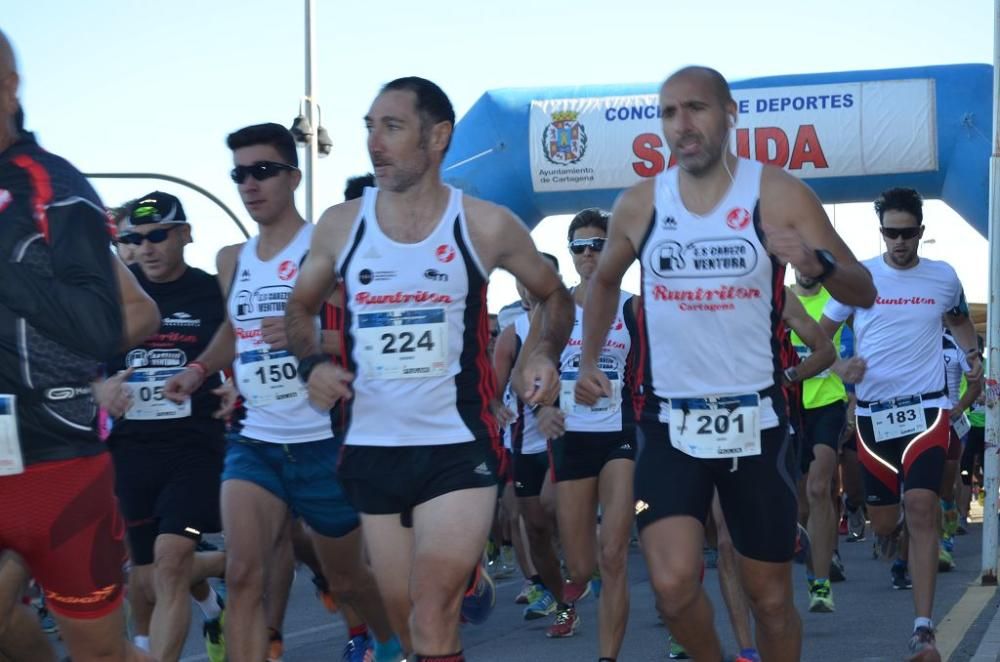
(284, 461)
(413, 257)
(713, 236)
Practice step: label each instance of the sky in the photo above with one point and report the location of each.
(151, 86)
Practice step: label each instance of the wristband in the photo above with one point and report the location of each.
(307, 364)
(199, 366)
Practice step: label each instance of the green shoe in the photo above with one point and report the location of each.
(945, 561)
(677, 651)
(821, 598)
(215, 638)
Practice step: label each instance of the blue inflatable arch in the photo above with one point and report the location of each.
(850, 135)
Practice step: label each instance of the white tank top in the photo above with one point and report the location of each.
(278, 408)
(525, 436)
(606, 415)
(417, 333)
(712, 296)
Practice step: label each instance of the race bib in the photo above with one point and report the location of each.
(148, 404)
(804, 353)
(961, 426)
(11, 459)
(714, 428)
(608, 405)
(402, 344)
(268, 376)
(897, 417)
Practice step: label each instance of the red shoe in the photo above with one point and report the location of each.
(842, 528)
(573, 593)
(566, 624)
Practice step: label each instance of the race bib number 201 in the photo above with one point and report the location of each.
(400, 344)
(717, 427)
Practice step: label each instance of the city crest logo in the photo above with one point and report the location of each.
(564, 140)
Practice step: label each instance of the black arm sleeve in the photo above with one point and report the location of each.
(74, 301)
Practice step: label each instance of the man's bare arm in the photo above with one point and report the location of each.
(314, 285)
(141, 316)
(822, 352)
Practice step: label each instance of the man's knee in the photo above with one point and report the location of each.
(770, 600)
(613, 554)
(676, 590)
(921, 511)
(243, 576)
(173, 566)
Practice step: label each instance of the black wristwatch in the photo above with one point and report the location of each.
(829, 263)
(307, 364)
(791, 375)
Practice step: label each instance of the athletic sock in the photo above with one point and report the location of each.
(453, 657)
(141, 642)
(358, 631)
(923, 622)
(210, 605)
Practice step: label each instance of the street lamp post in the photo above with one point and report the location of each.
(310, 105)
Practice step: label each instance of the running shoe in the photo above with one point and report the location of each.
(323, 593)
(542, 607)
(946, 563)
(842, 526)
(963, 527)
(566, 624)
(389, 651)
(213, 632)
(837, 568)
(528, 593)
(479, 600)
(275, 646)
(855, 525)
(900, 577)
(508, 562)
(676, 651)
(573, 593)
(748, 655)
(821, 597)
(596, 583)
(922, 647)
(358, 649)
(886, 547)
(949, 521)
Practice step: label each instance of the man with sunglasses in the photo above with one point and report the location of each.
(421, 444)
(713, 236)
(903, 407)
(168, 458)
(285, 458)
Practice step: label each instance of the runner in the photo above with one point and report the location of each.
(421, 444)
(168, 458)
(61, 314)
(710, 324)
(284, 459)
(903, 408)
(824, 415)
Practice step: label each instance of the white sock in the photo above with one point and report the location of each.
(923, 621)
(210, 605)
(141, 642)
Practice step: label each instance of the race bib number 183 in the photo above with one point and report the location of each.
(899, 417)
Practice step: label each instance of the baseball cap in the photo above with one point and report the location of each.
(156, 207)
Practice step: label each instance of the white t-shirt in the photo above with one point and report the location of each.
(900, 336)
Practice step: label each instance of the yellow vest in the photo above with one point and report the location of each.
(826, 387)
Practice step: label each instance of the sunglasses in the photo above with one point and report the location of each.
(578, 246)
(896, 233)
(259, 170)
(156, 236)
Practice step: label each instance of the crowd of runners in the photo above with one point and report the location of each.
(338, 396)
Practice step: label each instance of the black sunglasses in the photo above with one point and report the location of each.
(595, 244)
(259, 170)
(156, 236)
(896, 233)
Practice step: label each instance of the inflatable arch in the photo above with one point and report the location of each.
(850, 135)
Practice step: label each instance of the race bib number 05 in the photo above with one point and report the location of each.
(403, 344)
(898, 417)
(11, 460)
(148, 404)
(716, 427)
(267, 376)
(567, 397)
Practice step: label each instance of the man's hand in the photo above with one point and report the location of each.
(112, 395)
(180, 387)
(228, 397)
(272, 331)
(502, 413)
(551, 422)
(327, 384)
(976, 368)
(537, 382)
(591, 385)
(786, 244)
(851, 370)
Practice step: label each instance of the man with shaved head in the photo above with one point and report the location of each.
(713, 409)
(60, 320)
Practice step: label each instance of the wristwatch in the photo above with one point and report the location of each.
(307, 364)
(829, 263)
(791, 375)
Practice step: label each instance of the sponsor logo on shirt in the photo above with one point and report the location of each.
(704, 258)
(180, 319)
(738, 218)
(435, 275)
(706, 299)
(669, 223)
(287, 270)
(244, 275)
(445, 253)
(904, 301)
(366, 276)
(420, 296)
(267, 301)
(155, 358)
